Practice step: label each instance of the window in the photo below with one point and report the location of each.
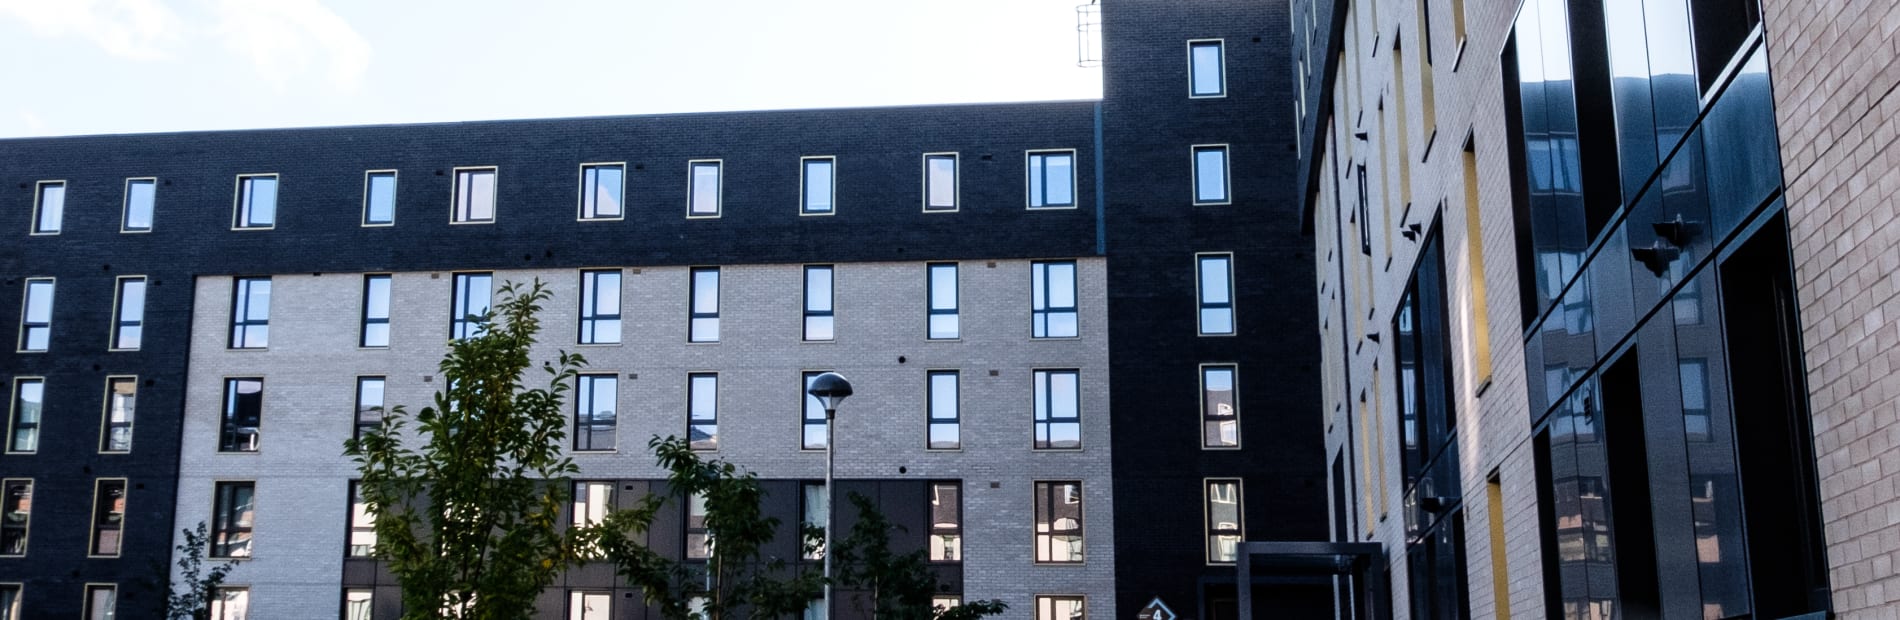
(1058, 410)
(473, 292)
(16, 514)
(1210, 175)
(1052, 299)
(375, 311)
(1206, 68)
(1224, 527)
(1051, 179)
(250, 313)
(122, 397)
(474, 196)
(379, 198)
(1220, 410)
(600, 307)
(702, 395)
(814, 504)
(256, 202)
(10, 601)
(243, 415)
(698, 539)
(362, 525)
(595, 412)
(230, 604)
(943, 302)
(945, 421)
(1215, 285)
(141, 200)
(705, 311)
(49, 207)
(940, 182)
(36, 315)
(819, 322)
(703, 198)
(232, 519)
(603, 190)
(128, 314)
(108, 516)
(102, 601)
(812, 427)
(29, 395)
(946, 522)
(1059, 608)
(593, 499)
(818, 192)
(1059, 522)
(359, 604)
(369, 404)
(590, 605)
(941, 602)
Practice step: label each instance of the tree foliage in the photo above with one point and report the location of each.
(900, 585)
(190, 594)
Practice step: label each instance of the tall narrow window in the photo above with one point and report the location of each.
(812, 424)
(1059, 522)
(256, 202)
(23, 435)
(141, 201)
(379, 198)
(231, 603)
(1051, 179)
(702, 395)
(128, 315)
(815, 504)
(102, 601)
(1207, 69)
(49, 207)
(1058, 410)
(250, 313)
(232, 519)
(590, 605)
(108, 516)
(1220, 410)
(359, 604)
(946, 432)
(1210, 175)
(593, 499)
(474, 196)
(705, 185)
(362, 525)
(596, 411)
(1479, 310)
(600, 307)
(819, 323)
(603, 190)
(36, 316)
(1215, 283)
(819, 192)
(473, 293)
(946, 522)
(1494, 510)
(940, 182)
(375, 332)
(243, 415)
(1052, 299)
(705, 300)
(122, 397)
(1224, 527)
(943, 302)
(16, 514)
(699, 540)
(369, 404)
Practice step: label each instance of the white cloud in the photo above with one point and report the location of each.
(284, 37)
(134, 29)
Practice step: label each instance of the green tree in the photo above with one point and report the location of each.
(190, 595)
(901, 585)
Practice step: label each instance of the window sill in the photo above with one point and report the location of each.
(598, 345)
(956, 339)
(1053, 208)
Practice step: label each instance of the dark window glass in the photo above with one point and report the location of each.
(369, 403)
(702, 426)
(257, 202)
(243, 415)
(128, 320)
(379, 198)
(250, 313)
(36, 322)
(108, 517)
(596, 411)
(16, 514)
(376, 289)
(600, 307)
(1220, 407)
(1051, 180)
(1052, 299)
(1058, 409)
(1059, 522)
(705, 305)
(232, 519)
(29, 396)
(819, 319)
(473, 294)
(122, 398)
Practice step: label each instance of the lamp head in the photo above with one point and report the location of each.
(830, 389)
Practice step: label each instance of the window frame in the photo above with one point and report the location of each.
(212, 546)
(26, 530)
(105, 417)
(227, 414)
(705, 552)
(1040, 270)
(693, 314)
(13, 415)
(1040, 489)
(1201, 305)
(582, 193)
(955, 312)
(691, 393)
(26, 306)
(589, 298)
(804, 179)
(125, 207)
(1030, 158)
(461, 327)
(114, 342)
(347, 591)
(455, 195)
(34, 226)
(94, 531)
(932, 531)
(369, 177)
(956, 182)
(359, 421)
(1208, 529)
(931, 421)
(1233, 370)
(719, 192)
(1226, 173)
(241, 325)
(239, 208)
(831, 301)
(573, 613)
(349, 535)
(805, 410)
(1221, 46)
(806, 512)
(365, 320)
(1053, 598)
(592, 398)
(216, 599)
(86, 610)
(1043, 379)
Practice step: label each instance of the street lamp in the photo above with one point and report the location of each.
(830, 389)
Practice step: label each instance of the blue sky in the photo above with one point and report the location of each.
(123, 66)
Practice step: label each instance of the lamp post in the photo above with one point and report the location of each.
(830, 389)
